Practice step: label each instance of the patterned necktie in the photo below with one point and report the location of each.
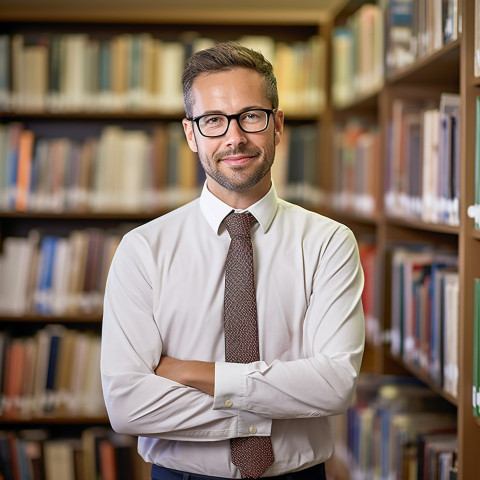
(252, 455)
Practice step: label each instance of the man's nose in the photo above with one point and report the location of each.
(235, 135)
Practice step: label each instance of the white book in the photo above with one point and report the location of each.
(79, 370)
(92, 396)
(173, 58)
(15, 264)
(73, 67)
(133, 165)
(61, 273)
(59, 460)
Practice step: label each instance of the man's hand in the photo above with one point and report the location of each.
(195, 374)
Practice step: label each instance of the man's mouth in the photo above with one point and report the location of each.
(237, 160)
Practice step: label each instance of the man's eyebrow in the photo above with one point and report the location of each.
(220, 112)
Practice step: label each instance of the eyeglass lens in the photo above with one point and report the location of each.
(217, 124)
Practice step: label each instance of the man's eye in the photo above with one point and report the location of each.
(212, 121)
(251, 117)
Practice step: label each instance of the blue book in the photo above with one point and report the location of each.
(51, 371)
(43, 303)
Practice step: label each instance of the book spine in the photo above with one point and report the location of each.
(476, 349)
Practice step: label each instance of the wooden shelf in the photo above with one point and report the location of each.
(421, 225)
(94, 318)
(51, 420)
(427, 380)
(124, 116)
(88, 215)
(439, 67)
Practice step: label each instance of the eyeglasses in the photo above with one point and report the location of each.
(216, 124)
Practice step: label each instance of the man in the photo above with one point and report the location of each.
(165, 341)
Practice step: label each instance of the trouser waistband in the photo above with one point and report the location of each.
(316, 472)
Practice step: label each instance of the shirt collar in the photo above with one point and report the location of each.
(214, 210)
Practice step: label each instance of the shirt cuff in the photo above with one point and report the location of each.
(230, 386)
(230, 394)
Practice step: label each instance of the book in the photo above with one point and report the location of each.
(476, 349)
(451, 335)
(400, 40)
(476, 49)
(424, 314)
(16, 261)
(59, 459)
(342, 68)
(356, 152)
(396, 427)
(4, 71)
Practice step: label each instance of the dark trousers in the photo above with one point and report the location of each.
(313, 473)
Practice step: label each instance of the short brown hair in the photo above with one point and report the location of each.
(226, 56)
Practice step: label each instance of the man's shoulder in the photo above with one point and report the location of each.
(297, 213)
(168, 221)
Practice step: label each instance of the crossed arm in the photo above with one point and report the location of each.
(195, 374)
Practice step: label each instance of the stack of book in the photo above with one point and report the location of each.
(416, 28)
(99, 453)
(423, 160)
(397, 428)
(55, 373)
(355, 159)
(425, 311)
(53, 275)
(136, 72)
(120, 170)
(357, 55)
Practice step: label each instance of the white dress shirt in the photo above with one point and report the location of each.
(164, 296)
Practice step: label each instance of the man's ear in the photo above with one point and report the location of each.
(279, 118)
(190, 135)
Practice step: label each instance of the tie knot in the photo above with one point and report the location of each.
(238, 224)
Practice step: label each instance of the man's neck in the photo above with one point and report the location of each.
(240, 199)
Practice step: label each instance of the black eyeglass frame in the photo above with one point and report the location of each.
(235, 116)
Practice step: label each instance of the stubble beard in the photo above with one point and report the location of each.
(237, 179)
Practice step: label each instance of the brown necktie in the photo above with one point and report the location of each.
(252, 455)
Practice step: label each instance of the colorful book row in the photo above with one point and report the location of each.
(381, 38)
(357, 55)
(98, 453)
(120, 170)
(415, 28)
(425, 313)
(423, 160)
(56, 275)
(129, 170)
(55, 373)
(397, 428)
(136, 72)
(356, 154)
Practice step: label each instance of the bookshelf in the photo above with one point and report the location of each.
(63, 122)
(440, 60)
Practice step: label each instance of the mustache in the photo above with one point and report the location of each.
(250, 152)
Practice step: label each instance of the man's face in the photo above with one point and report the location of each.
(236, 161)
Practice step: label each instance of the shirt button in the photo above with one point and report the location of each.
(228, 403)
(253, 430)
